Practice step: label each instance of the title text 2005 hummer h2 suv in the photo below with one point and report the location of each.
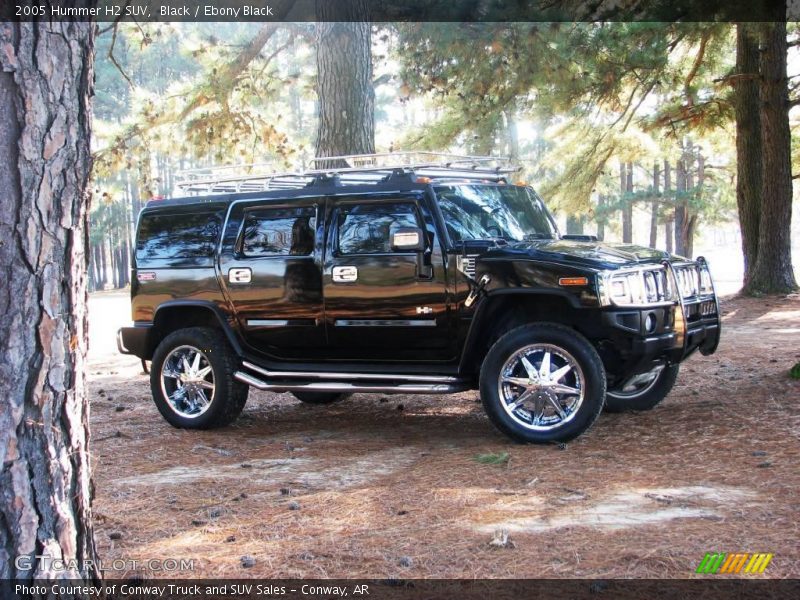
(404, 274)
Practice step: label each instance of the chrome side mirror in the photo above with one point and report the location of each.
(407, 239)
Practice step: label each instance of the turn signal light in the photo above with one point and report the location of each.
(423, 179)
(573, 281)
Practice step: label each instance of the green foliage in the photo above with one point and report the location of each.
(196, 96)
(601, 93)
(493, 459)
(794, 372)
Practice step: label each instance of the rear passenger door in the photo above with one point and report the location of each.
(380, 303)
(272, 274)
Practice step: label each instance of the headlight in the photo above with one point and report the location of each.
(635, 288)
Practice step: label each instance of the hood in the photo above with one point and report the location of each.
(589, 254)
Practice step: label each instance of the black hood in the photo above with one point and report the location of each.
(589, 254)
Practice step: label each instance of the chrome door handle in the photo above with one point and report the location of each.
(345, 274)
(240, 275)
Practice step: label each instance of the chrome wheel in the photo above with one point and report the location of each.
(541, 387)
(638, 385)
(187, 381)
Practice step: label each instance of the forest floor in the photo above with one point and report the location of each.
(379, 487)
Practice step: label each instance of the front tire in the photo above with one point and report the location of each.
(191, 378)
(645, 396)
(542, 383)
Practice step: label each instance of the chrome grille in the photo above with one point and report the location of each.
(656, 286)
(688, 277)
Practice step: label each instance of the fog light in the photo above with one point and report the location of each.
(650, 323)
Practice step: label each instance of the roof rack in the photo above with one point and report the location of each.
(351, 169)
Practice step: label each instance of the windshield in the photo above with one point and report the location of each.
(479, 212)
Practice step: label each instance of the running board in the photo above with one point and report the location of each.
(333, 376)
(349, 388)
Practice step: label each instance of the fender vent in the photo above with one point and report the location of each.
(466, 264)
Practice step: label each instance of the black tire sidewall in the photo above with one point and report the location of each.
(648, 400)
(320, 397)
(557, 335)
(229, 394)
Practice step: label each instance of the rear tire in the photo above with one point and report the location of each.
(542, 383)
(319, 397)
(646, 398)
(191, 378)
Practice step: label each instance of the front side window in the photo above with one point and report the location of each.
(368, 228)
(479, 212)
(177, 236)
(279, 231)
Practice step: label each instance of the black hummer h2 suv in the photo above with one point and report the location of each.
(387, 276)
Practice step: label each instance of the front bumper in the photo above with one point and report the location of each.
(134, 340)
(676, 332)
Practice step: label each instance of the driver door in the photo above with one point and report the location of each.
(381, 302)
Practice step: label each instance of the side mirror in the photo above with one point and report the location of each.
(407, 239)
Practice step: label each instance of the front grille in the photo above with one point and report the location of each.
(656, 287)
(688, 277)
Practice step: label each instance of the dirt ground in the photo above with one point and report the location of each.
(390, 486)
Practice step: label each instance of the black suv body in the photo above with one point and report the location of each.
(407, 284)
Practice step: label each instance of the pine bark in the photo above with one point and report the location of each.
(772, 271)
(748, 143)
(344, 80)
(46, 75)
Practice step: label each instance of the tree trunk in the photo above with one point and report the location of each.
(575, 224)
(627, 207)
(512, 133)
(668, 223)
(680, 207)
(772, 271)
(344, 80)
(103, 265)
(654, 207)
(748, 143)
(690, 219)
(601, 218)
(46, 78)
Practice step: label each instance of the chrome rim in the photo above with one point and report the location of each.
(187, 381)
(541, 387)
(638, 385)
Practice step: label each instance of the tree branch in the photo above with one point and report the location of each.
(113, 59)
(698, 60)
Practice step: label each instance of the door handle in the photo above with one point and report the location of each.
(345, 274)
(240, 275)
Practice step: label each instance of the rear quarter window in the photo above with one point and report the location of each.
(177, 236)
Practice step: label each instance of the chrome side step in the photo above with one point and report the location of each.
(330, 376)
(337, 386)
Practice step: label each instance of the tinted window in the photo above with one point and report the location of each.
(367, 228)
(474, 212)
(282, 231)
(177, 236)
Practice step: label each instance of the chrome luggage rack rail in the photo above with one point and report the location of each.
(353, 169)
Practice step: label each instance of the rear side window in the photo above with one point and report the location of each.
(279, 231)
(367, 228)
(177, 236)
